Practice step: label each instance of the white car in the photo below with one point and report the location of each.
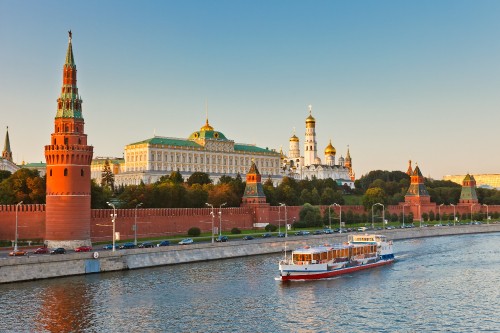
(186, 241)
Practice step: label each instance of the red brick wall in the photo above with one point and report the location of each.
(158, 222)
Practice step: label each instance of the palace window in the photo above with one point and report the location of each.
(65, 172)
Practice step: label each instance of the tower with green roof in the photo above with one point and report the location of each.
(68, 158)
(468, 194)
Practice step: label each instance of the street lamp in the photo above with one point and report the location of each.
(220, 218)
(135, 223)
(487, 215)
(213, 215)
(279, 217)
(383, 215)
(471, 212)
(404, 215)
(113, 218)
(439, 209)
(454, 218)
(15, 237)
(286, 226)
(340, 216)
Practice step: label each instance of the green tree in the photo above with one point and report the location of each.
(23, 185)
(201, 178)
(4, 174)
(107, 176)
(372, 196)
(311, 215)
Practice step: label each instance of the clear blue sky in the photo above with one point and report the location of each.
(394, 80)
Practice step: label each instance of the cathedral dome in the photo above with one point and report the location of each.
(330, 150)
(294, 138)
(310, 119)
(317, 160)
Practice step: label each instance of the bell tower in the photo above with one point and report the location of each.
(68, 160)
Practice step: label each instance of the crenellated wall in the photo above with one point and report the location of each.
(164, 222)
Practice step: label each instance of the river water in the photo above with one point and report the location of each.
(445, 284)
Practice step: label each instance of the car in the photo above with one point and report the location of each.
(267, 235)
(59, 250)
(328, 231)
(362, 229)
(83, 249)
(109, 247)
(318, 232)
(280, 234)
(17, 253)
(302, 233)
(222, 239)
(248, 237)
(163, 243)
(127, 246)
(41, 250)
(146, 245)
(186, 241)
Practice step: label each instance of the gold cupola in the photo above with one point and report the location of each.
(330, 150)
(294, 138)
(310, 121)
(206, 127)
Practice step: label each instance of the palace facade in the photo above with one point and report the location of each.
(206, 150)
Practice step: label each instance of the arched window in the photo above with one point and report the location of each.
(65, 141)
(65, 172)
(81, 172)
(50, 173)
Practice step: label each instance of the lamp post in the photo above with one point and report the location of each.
(487, 215)
(404, 215)
(279, 217)
(220, 218)
(286, 226)
(340, 216)
(213, 215)
(454, 218)
(15, 236)
(383, 215)
(420, 216)
(471, 212)
(135, 223)
(439, 209)
(113, 219)
(330, 216)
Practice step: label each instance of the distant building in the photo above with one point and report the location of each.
(97, 166)
(309, 165)
(482, 180)
(468, 195)
(206, 150)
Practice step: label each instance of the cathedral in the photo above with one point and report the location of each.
(309, 165)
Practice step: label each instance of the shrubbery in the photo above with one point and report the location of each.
(194, 232)
(235, 231)
(271, 227)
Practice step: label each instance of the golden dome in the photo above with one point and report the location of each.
(206, 127)
(294, 138)
(330, 150)
(310, 119)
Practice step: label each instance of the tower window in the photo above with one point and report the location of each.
(65, 172)
(50, 173)
(65, 141)
(81, 172)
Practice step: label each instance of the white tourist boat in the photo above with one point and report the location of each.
(326, 261)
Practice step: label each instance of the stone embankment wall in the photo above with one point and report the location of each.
(40, 267)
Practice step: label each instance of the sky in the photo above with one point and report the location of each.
(393, 80)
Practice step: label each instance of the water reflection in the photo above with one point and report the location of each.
(64, 307)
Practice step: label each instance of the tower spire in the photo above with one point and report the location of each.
(7, 153)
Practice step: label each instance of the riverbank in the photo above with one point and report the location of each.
(15, 269)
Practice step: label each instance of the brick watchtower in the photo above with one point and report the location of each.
(68, 160)
(468, 195)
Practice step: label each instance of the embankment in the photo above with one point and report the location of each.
(15, 269)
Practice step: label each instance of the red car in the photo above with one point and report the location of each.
(41, 250)
(83, 249)
(17, 253)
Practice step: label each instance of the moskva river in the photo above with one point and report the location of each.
(446, 284)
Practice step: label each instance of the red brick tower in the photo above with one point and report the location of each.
(68, 160)
(417, 192)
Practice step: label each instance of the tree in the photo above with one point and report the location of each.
(201, 178)
(4, 174)
(310, 215)
(107, 176)
(372, 196)
(23, 185)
